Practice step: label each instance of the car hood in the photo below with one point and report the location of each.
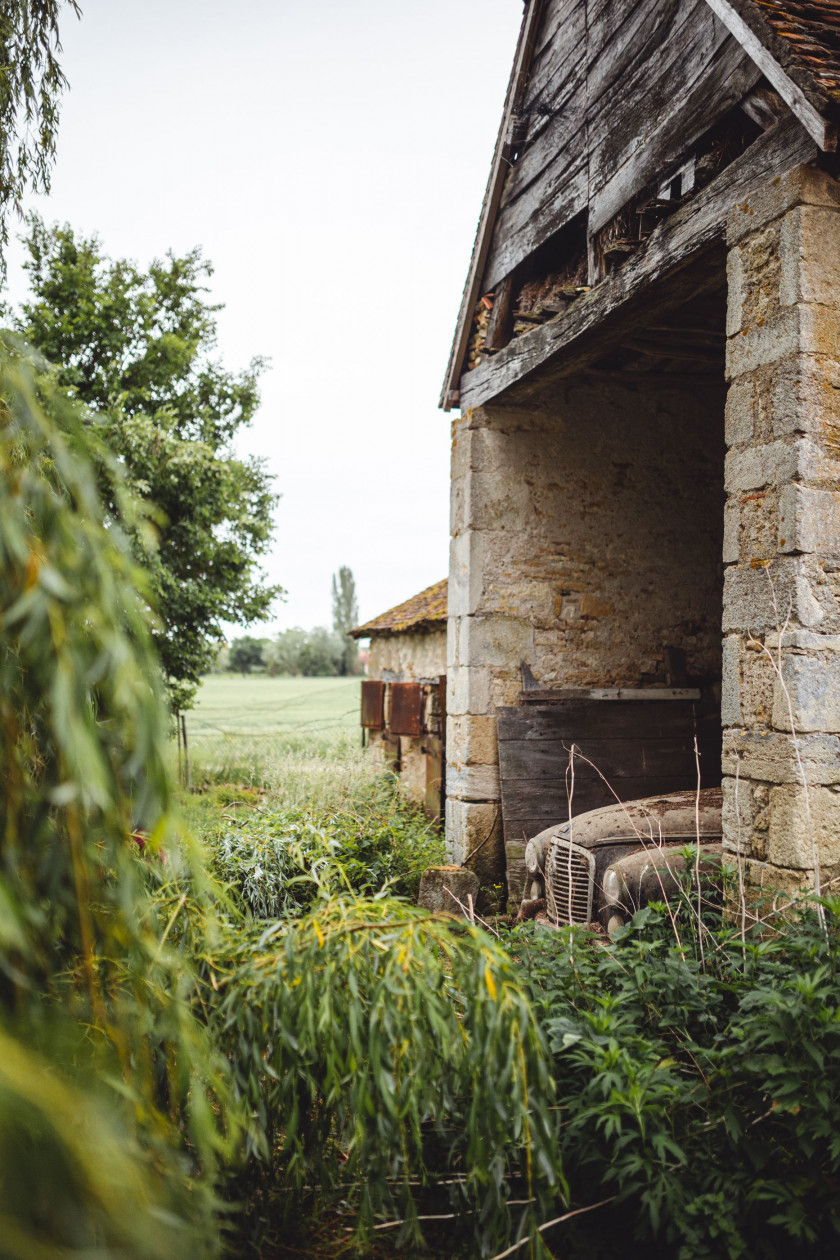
(655, 819)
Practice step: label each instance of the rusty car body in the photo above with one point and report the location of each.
(603, 865)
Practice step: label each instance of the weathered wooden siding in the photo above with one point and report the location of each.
(655, 84)
(628, 749)
(618, 89)
(694, 227)
(548, 182)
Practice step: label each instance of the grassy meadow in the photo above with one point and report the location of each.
(297, 739)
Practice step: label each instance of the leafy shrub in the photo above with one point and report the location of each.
(277, 862)
(385, 1053)
(702, 1092)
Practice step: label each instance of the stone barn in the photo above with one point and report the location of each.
(404, 696)
(645, 508)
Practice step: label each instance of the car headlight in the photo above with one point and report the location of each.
(532, 858)
(612, 886)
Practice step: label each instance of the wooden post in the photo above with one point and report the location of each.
(178, 739)
(187, 783)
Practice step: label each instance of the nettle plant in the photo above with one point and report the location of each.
(698, 1080)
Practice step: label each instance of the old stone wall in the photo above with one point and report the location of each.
(781, 673)
(408, 657)
(586, 540)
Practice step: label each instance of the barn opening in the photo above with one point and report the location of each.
(596, 525)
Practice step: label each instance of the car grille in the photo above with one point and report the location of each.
(570, 880)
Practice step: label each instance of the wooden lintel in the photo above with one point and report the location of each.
(821, 130)
(696, 226)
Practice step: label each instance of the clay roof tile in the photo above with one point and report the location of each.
(810, 29)
(420, 614)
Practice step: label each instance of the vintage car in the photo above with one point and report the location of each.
(604, 865)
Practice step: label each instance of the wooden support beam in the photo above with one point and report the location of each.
(694, 227)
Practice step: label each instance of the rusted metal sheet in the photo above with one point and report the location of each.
(373, 705)
(406, 709)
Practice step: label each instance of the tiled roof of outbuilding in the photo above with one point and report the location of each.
(811, 30)
(421, 613)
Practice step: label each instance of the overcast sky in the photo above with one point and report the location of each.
(330, 159)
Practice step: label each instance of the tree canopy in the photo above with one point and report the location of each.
(31, 83)
(136, 349)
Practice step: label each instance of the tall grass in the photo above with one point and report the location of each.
(318, 769)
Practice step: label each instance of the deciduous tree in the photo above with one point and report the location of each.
(136, 349)
(246, 654)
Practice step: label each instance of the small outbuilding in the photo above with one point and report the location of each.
(404, 697)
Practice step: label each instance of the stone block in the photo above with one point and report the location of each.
(801, 329)
(474, 831)
(809, 253)
(803, 185)
(819, 329)
(452, 658)
(472, 738)
(501, 641)
(468, 572)
(757, 680)
(804, 396)
(750, 468)
(804, 822)
(471, 783)
(738, 815)
(740, 411)
(758, 534)
(518, 879)
(772, 756)
(457, 506)
(809, 520)
(468, 690)
(448, 889)
(730, 696)
(777, 463)
(737, 280)
(773, 888)
(807, 696)
(749, 590)
(460, 441)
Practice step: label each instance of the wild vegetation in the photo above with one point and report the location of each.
(31, 85)
(143, 993)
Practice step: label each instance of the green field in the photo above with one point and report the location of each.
(228, 703)
(297, 739)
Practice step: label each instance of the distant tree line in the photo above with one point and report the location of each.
(318, 653)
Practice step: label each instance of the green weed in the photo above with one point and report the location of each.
(700, 1094)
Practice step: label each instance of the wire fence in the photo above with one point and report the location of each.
(301, 762)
